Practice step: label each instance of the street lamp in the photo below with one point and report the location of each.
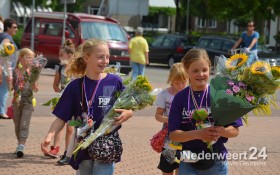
(187, 20)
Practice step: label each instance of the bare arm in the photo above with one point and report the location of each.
(56, 81)
(56, 126)
(160, 117)
(147, 57)
(228, 132)
(124, 116)
(254, 41)
(238, 42)
(6, 40)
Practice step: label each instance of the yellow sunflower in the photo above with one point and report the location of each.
(240, 59)
(260, 67)
(275, 72)
(9, 48)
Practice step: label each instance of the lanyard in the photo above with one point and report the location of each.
(89, 103)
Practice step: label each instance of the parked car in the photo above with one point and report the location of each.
(79, 27)
(170, 48)
(217, 45)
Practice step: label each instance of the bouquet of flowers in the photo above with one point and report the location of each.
(136, 96)
(6, 50)
(32, 74)
(238, 89)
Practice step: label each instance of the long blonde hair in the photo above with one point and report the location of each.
(77, 66)
(177, 72)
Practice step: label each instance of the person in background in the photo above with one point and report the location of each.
(66, 54)
(139, 53)
(90, 66)
(22, 100)
(249, 40)
(177, 80)
(10, 29)
(183, 128)
(1, 25)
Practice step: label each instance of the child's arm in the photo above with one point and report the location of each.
(160, 117)
(56, 126)
(229, 131)
(56, 81)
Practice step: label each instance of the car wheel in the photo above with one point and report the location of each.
(171, 61)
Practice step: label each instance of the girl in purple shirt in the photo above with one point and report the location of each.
(100, 89)
(182, 127)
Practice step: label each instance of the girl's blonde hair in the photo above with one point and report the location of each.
(77, 66)
(194, 55)
(177, 72)
(22, 52)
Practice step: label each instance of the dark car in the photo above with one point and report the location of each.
(221, 45)
(216, 45)
(170, 48)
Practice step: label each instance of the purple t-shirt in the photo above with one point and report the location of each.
(69, 104)
(180, 119)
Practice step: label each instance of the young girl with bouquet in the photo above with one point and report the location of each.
(178, 80)
(187, 104)
(23, 98)
(95, 91)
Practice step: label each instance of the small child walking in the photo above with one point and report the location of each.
(66, 54)
(22, 100)
(177, 80)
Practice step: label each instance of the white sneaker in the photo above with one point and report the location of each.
(19, 151)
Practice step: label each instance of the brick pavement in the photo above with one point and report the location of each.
(138, 158)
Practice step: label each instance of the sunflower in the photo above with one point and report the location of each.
(260, 67)
(9, 48)
(240, 59)
(275, 72)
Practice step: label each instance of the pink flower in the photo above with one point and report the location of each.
(230, 82)
(228, 91)
(235, 88)
(249, 98)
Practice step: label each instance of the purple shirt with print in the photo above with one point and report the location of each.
(69, 104)
(179, 119)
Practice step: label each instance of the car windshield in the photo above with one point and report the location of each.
(105, 31)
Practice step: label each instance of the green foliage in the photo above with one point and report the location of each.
(17, 37)
(165, 10)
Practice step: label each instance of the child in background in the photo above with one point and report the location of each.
(22, 100)
(182, 127)
(177, 80)
(66, 54)
(96, 85)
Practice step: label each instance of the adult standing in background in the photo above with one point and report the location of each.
(1, 25)
(249, 40)
(139, 53)
(10, 29)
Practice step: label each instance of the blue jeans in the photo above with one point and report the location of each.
(4, 91)
(219, 168)
(90, 167)
(137, 69)
(252, 57)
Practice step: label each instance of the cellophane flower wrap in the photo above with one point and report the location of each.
(33, 73)
(136, 96)
(238, 89)
(6, 52)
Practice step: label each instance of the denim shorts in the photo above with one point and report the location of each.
(220, 168)
(90, 167)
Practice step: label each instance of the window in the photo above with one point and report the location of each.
(52, 29)
(215, 45)
(168, 41)
(203, 43)
(227, 45)
(201, 23)
(158, 41)
(93, 10)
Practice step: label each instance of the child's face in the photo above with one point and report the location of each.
(98, 60)
(198, 73)
(26, 59)
(64, 57)
(179, 84)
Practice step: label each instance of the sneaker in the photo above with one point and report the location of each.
(53, 152)
(64, 160)
(19, 151)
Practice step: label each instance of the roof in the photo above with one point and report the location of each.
(162, 3)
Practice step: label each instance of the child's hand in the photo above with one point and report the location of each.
(45, 144)
(209, 134)
(35, 87)
(125, 115)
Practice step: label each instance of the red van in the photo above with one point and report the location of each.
(79, 27)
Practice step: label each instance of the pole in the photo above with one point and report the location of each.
(64, 23)
(187, 20)
(32, 29)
